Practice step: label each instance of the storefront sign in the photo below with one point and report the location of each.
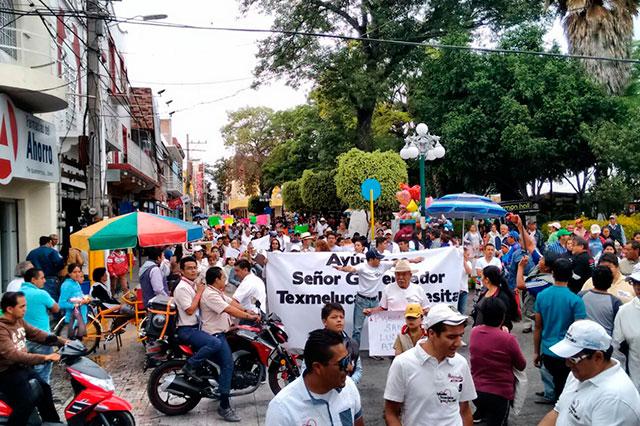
(520, 207)
(28, 146)
(301, 283)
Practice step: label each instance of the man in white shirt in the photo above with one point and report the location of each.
(187, 296)
(398, 294)
(324, 394)
(369, 282)
(307, 239)
(626, 329)
(321, 226)
(431, 384)
(598, 392)
(251, 288)
(17, 282)
(488, 259)
(392, 246)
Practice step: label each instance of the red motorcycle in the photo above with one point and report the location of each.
(94, 403)
(258, 352)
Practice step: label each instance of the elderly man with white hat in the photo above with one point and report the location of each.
(306, 239)
(398, 294)
(598, 391)
(321, 226)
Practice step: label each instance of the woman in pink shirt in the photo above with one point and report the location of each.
(494, 354)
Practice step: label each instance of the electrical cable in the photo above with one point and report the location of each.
(356, 38)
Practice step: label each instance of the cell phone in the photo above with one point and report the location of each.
(524, 252)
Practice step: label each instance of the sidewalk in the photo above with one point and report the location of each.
(125, 367)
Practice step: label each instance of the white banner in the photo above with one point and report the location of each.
(28, 146)
(299, 284)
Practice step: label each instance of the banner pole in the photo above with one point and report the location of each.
(373, 223)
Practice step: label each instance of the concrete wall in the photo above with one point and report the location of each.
(36, 211)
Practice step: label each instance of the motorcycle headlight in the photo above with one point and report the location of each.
(106, 384)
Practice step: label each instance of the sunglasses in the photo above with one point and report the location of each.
(344, 363)
(574, 360)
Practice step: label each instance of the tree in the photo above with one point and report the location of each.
(220, 173)
(360, 73)
(291, 195)
(251, 134)
(256, 205)
(611, 194)
(318, 191)
(594, 28)
(508, 121)
(355, 166)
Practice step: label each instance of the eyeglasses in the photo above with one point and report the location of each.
(344, 363)
(578, 358)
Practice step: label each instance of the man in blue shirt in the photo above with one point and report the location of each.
(560, 246)
(556, 308)
(39, 303)
(50, 262)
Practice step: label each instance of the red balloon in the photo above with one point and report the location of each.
(415, 192)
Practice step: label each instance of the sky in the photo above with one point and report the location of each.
(164, 58)
(158, 57)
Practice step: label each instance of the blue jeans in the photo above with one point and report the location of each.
(204, 345)
(51, 286)
(358, 316)
(547, 381)
(224, 359)
(462, 301)
(42, 370)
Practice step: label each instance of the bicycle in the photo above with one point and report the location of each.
(98, 318)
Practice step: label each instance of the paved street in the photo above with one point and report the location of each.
(126, 368)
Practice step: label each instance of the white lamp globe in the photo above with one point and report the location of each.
(431, 155)
(422, 129)
(439, 151)
(413, 151)
(404, 153)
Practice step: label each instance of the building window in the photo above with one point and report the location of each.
(8, 29)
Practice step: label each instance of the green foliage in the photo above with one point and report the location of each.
(361, 73)
(255, 205)
(318, 191)
(355, 166)
(291, 195)
(250, 132)
(509, 120)
(611, 194)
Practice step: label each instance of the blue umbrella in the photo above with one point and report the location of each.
(464, 206)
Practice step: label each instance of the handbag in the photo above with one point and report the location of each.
(521, 386)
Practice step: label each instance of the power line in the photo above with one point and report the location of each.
(199, 83)
(348, 38)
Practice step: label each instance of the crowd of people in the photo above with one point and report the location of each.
(578, 290)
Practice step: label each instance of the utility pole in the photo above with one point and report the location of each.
(187, 206)
(94, 31)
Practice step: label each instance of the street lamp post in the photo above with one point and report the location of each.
(425, 146)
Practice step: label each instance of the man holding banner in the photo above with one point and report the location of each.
(369, 280)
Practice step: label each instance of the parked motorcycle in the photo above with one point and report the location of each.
(94, 403)
(257, 351)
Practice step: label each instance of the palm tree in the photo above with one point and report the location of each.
(600, 28)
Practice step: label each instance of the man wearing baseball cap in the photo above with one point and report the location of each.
(431, 383)
(560, 246)
(598, 391)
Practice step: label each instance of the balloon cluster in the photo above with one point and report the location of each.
(409, 199)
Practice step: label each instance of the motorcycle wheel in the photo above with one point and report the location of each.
(114, 418)
(280, 375)
(168, 404)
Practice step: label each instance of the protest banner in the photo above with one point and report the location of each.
(384, 327)
(299, 284)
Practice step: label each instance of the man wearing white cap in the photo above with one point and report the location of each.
(321, 226)
(431, 384)
(306, 239)
(554, 227)
(598, 391)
